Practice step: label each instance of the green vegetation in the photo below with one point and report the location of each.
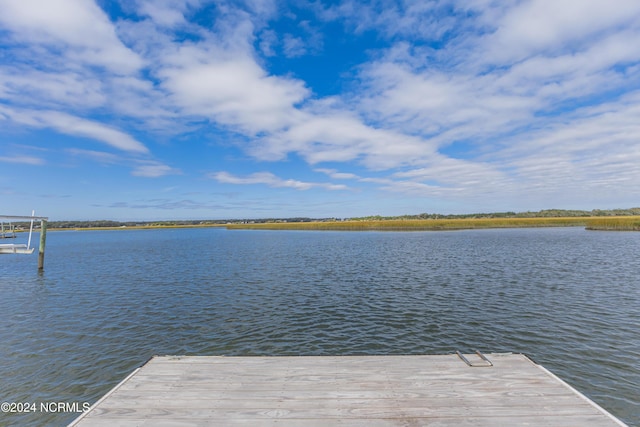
(129, 224)
(546, 213)
(614, 219)
(419, 224)
(614, 223)
(108, 224)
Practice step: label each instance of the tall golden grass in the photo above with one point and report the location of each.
(419, 224)
(615, 223)
(618, 223)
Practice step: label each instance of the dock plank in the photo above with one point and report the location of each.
(344, 390)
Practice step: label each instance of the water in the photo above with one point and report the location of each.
(109, 300)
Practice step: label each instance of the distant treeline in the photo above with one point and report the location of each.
(547, 213)
(173, 223)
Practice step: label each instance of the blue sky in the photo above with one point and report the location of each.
(193, 109)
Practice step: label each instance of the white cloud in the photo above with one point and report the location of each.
(232, 89)
(335, 174)
(167, 204)
(424, 19)
(143, 168)
(339, 136)
(26, 86)
(78, 27)
(309, 41)
(98, 156)
(519, 107)
(267, 178)
(140, 99)
(153, 170)
(26, 160)
(166, 13)
(268, 40)
(553, 26)
(600, 145)
(86, 128)
(76, 126)
(455, 173)
(293, 46)
(518, 85)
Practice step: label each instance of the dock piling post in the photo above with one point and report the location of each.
(43, 240)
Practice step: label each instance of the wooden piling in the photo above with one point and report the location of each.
(43, 240)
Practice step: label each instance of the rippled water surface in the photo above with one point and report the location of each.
(109, 300)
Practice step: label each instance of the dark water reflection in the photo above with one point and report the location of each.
(109, 300)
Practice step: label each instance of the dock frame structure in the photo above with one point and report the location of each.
(499, 389)
(16, 248)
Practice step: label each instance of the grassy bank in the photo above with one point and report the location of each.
(617, 223)
(621, 223)
(420, 224)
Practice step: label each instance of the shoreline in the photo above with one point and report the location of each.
(590, 223)
(617, 223)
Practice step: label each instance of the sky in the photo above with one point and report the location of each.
(196, 109)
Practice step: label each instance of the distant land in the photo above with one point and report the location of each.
(419, 221)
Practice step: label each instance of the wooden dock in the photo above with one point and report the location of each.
(371, 391)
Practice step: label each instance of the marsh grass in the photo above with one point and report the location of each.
(419, 224)
(618, 223)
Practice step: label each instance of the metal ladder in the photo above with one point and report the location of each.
(485, 363)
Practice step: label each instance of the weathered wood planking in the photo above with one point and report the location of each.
(367, 391)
